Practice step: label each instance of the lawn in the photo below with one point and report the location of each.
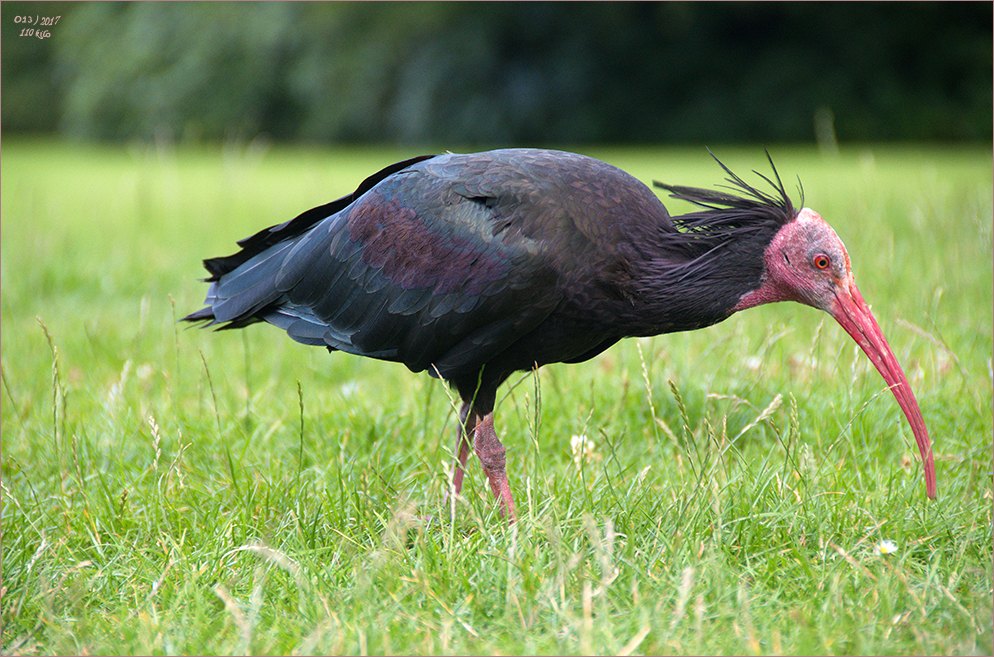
(748, 488)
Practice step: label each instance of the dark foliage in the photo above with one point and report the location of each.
(490, 73)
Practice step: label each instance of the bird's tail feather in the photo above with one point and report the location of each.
(202, 315)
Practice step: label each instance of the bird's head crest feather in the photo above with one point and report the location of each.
(742, 209)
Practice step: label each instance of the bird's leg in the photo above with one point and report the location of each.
(467, 425)
(490, 451)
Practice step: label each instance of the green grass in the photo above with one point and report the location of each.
(180, 491)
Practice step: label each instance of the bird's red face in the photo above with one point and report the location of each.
(807, 262)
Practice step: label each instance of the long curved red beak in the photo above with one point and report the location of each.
(852, 313)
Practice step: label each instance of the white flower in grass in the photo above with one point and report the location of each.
(582, 448)
(885, 547)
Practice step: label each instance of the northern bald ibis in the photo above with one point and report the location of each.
(475, 266)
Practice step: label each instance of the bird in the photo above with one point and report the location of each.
(474, 266)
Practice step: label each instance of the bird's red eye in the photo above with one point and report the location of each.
(821, 261)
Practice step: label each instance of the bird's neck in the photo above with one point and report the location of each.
(700, 291)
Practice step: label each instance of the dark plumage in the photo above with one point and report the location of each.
(475, 266)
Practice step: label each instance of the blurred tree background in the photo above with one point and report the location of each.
(501, 73)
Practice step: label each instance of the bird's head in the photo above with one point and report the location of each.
(807, 262)
(804, 262)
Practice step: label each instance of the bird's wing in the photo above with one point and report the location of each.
(419, 269)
